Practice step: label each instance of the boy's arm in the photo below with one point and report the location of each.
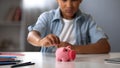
(100, 47)
(35, 39)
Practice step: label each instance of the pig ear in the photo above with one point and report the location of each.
(69, 47)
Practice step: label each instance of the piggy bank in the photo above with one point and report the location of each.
(65, 54)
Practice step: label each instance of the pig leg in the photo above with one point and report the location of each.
(65, 60)
(58, 59)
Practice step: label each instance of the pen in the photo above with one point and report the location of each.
(7, 63)
(114, 62)
(11, 54)
(22, 64)
(7, 56)
(113, 59)
(11, 61)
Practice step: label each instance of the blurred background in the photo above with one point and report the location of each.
(17, 15)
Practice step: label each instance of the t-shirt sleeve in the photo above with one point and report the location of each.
(96, 32)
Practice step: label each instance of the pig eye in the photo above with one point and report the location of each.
(65, 50)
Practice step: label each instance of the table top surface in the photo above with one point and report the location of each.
(47, 60)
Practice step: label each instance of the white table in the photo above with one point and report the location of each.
(81, 61)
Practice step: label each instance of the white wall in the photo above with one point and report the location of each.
(107, 14)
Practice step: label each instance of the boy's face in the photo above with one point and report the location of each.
(69, 7)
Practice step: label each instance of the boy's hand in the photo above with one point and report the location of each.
(49, 40)
(63, 44)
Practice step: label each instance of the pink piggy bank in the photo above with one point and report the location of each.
(65, 54)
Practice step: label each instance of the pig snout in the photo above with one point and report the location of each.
(72, 54)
